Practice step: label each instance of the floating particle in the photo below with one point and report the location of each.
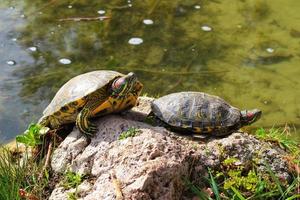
(148, 21)
(65, 61)
(206, 28)
(11, 62)
(14, 39)
(129, 5)
(70, 6)
(197, 7)
(33, 49)
(270, 50)
(135, 41)
(101, 12)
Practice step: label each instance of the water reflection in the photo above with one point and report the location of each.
(249, 57)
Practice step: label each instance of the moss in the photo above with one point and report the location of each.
(131, 132)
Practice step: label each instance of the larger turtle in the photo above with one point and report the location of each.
(201, 113)
(89, 95)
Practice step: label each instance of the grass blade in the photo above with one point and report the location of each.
(214, 185)
(293, 197)
(275, 179)
(237, 193)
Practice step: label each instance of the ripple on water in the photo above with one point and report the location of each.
(148, 21)
(206, 28)
(11, 62)
(64, 61)
(135, 41)
(197, 7)
(270, 50)
(101, 12)
(33, 48)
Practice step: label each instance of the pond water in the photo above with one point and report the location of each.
(246, 51)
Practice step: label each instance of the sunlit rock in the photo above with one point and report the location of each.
(152, 164)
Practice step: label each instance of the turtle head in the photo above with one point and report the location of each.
(250, 116)
(123, 85)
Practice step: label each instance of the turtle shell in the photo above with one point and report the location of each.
(200, 112)
(79, 87)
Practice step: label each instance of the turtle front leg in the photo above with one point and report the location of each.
(82, 121)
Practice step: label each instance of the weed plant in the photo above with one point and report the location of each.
(237, 182)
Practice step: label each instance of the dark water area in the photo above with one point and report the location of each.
(245, 51)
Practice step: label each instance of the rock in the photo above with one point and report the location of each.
(154, 163)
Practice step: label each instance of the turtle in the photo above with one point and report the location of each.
(89, 95)
(201, 113)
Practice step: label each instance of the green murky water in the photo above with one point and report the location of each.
(246, 51)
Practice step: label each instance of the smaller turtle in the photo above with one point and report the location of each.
(201, 113)
(92, 94)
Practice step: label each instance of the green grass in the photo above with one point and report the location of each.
(12, 176)
(19, 174)
(72, 180)
(279, 136)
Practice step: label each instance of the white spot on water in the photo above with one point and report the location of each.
(197, 7)
(148, 21)
(11, 7)
(270, 50)
(129, 5)
(70, 6)
(64, 61)
(33, 49)
(11, 62)
(135, 41)
(14, 39)
(40, 13)
(206, 28)
(101, 12)
(22, 16)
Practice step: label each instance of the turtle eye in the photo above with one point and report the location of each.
(118, 85)
(250, 114)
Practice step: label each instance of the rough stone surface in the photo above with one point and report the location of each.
(153, 164)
